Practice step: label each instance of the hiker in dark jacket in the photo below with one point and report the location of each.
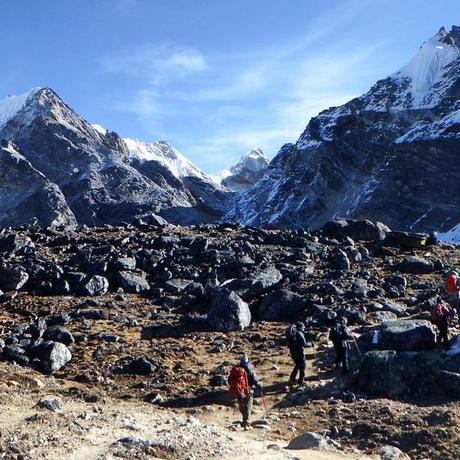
(246, 399)
(340, 335)
(295, 337)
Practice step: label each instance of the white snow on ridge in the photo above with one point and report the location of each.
(426, 68)
(11, 105)
(100, 129)
(252, 161)
(166, 155)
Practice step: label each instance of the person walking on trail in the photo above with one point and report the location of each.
(295, 338)
(453, 291)
(242, 380)
(440, 317)
(339, 335)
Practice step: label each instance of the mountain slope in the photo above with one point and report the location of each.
(27, 196)
(388, 155)
(93, 169)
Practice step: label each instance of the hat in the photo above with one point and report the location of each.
(244, 359)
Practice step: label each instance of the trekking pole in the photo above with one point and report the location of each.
(263, 400)
(359, 351)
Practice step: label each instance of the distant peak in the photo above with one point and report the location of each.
(255, 153)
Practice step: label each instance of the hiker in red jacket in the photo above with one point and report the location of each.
(440, 316)
(453, 291)
(242, 379)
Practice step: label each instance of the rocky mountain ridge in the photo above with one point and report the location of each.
(91, 171)
(382, 156)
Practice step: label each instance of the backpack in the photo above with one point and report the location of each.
(451, 283)
(440, 311)
(290, 335)
(238, 381)
(335, 334)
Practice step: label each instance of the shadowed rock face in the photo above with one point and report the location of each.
(27, 195)
(389, 155)
(91, 171)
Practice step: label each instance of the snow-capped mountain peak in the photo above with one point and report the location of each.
(245, 173)
(254, 161)
(11, 105)
(167, 155)
(426, 68)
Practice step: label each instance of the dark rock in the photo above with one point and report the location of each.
(125, 263)
(138, 366)
(338, 260)
(280, 305)
(91, 314)
(416, 265)
(360, 288)
(52, 403)
(132, 282)
(59, 334)
(96, 286)
(13, 278)
(406, 240)
(218, 381)
(402, 335)
(359, 230)
(256, 282)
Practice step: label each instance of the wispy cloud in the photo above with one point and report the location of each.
(155, 63)
(224, 104)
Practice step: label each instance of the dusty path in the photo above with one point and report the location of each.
(92, 430)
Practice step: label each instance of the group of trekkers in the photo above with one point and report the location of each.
(243, 379)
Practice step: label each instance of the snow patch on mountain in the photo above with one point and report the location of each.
(251, 163)
(168, 156)
(11, 105)
(100, 129)
(427, 67)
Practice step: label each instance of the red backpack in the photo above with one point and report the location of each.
(451, 283)
(441, 310)
(238, 381)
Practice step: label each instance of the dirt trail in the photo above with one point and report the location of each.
(90, 431)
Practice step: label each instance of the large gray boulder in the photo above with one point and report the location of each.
(309, 440)
(52, 355)
(256, 282)
(228, 311)
(132, 282)
(96, 285)
(387, 373)
(400, 335)
(360, 230)
(280, 305)
(416, 265)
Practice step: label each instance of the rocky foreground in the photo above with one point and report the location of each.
(122, 335)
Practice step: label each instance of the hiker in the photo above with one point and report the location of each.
(242, 379)
(295, 338)
(453, 291)
(440, 317)
(340, 335)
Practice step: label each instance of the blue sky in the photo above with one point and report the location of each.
(214, 77)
